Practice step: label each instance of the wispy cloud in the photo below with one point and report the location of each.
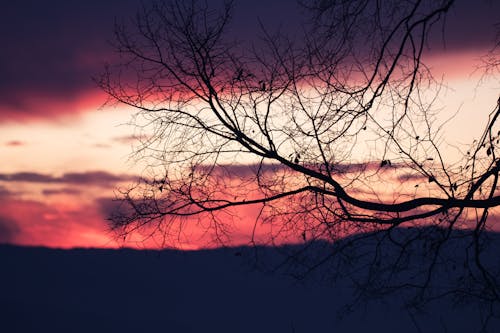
(99, 178)
(411, 177)
(66, 190)
(15, 143)
(129, 139)
(101, 145)
(251, 170)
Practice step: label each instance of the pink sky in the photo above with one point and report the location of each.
(64, 156)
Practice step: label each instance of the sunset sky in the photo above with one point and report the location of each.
(63, 154)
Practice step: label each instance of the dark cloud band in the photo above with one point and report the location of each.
(100, 178)
(53, 48)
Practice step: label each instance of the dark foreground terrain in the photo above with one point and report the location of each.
(90, 290)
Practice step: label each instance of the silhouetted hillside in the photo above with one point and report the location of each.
(91, 290)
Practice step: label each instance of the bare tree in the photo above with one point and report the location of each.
(333, 136)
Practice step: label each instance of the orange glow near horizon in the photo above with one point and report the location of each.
(74, 216)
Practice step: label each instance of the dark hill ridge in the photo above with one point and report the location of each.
(95, 290)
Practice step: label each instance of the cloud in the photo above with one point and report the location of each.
(129, 139)
(8, 229)
(96, 177)
(62, 223)
(78, 47)
(470, 25)
(70, 191)
(109, 207)
(4, 192)
(15, 143)
(99, 178)
(241, 170)
(250, 170)
(38, 105)
(27, 177)
(48, 67)
(101, 145)
(411, 177)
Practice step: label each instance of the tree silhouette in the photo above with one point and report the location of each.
(331, 136)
